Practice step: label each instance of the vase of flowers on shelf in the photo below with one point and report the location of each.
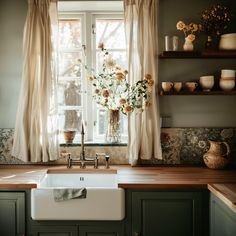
(189, 33)
(112, 91)
(214, 22)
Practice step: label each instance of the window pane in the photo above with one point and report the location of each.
(70, 119)
(111, 33)
(69, 34)
(69, 64)
(69, 93)
(120, 59)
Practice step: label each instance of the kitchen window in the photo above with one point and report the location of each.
(79, 36)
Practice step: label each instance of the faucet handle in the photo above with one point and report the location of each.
(107, 157)
(69, 161)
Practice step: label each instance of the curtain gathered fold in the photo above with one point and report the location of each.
(141, 20)
(36, 130)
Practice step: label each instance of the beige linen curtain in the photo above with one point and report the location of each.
(35, 137)
(141, 19)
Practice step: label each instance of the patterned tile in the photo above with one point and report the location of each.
(6, 141)
(180, 146)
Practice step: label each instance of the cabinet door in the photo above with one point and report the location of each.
(222, 218)
(166, 213)
(101, 230)
(54, 230)
(12, 213)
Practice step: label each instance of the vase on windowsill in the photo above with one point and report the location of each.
(69, 136)
(113, 134)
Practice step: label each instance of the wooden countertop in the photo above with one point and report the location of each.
(28, 176)
(220, 182)
(226, 193)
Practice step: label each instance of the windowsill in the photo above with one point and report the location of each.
(91, 144)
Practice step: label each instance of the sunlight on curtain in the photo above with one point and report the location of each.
(141, 20)
(36, 131)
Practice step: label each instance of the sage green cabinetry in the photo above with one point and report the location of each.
(77, 228)
(12, 213)
(102, 229)
(222, 218)
(54, 230)
(167, 213)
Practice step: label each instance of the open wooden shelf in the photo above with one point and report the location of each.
(198, 54)
(162, 93)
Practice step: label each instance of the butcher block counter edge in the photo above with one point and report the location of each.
(226, 193)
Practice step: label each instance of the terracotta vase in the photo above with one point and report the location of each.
(69, 135)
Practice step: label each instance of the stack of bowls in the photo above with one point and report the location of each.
(227, 80)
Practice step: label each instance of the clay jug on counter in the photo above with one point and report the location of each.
(218, 155)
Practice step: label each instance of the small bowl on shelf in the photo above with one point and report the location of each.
(206, 82)
(227, 84)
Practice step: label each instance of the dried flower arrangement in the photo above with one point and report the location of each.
(215, 20)
(114, 92)
(189, 30)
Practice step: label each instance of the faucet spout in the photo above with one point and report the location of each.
(82, 155)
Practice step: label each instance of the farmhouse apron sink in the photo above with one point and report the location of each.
(104, 200)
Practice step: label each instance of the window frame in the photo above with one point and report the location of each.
(88, 39)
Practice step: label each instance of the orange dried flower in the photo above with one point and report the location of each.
(122, 101)
(105, 93)
(96, 91)
(119, 75)
(101, 45)
(128, 109)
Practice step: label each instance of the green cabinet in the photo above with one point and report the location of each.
(77, 228)
(222, 218)
(102, 229)
(12, 213)
(54, 230)
(166, 213)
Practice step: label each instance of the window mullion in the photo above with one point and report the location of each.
(88, 61)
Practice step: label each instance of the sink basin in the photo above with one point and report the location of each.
(104, 200)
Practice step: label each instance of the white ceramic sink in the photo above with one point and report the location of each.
(104, 200)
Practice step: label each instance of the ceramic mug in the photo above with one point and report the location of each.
(177, 86)
(191, 86)
(167, 86)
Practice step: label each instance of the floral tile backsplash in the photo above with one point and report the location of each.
(184, 146)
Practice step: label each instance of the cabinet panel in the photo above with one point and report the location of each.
(101, 230)
(167, 213)
(12, 213)
(55, 230)
(222, 219)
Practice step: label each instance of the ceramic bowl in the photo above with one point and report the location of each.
(206, 82)
(227, 84)
(228, 42)
(227, 73)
